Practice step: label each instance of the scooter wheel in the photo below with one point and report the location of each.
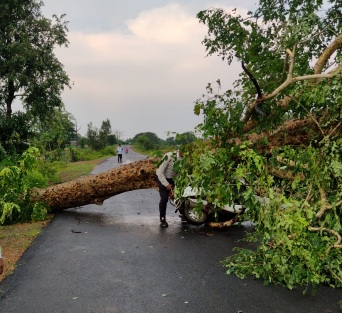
(194, 216)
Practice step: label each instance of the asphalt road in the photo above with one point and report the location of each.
(116, 258)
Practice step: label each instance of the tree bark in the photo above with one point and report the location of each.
(324, 57)
(97, 188)
(293, 132)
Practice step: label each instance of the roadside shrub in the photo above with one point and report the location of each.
(16, 179)
(39, 212)
(48, 171)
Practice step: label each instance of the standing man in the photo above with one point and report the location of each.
(165, 175)
(120, 150)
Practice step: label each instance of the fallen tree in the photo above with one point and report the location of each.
(279, 130)
(97, 188)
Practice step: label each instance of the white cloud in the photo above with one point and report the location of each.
(166, 25)
(144, 78)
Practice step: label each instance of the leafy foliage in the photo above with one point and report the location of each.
(147, 141)
(55, 132)
(289, 155)
(14, 132)
(16, 179)
(181, 138)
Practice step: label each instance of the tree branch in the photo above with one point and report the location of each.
(337, 244)
(324, 57)
(324, 206)
(290, 80)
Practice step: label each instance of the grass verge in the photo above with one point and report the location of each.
(15, 239)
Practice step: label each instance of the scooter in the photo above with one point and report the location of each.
(197, 214)
(187, 206)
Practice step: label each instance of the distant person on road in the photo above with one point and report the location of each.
(120, 150)
(165, 175)
(1, 263)
(126, 150)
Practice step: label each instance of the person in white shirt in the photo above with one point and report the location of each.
(119, 150)
(165, 175)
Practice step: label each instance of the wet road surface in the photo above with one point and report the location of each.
(116, 258)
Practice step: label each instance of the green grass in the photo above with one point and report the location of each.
(74, 170)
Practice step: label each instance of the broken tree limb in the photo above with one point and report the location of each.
(293, 132)
(94, 189)
(317, 75)
(326, 54)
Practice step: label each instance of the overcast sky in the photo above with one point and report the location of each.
(140, 64)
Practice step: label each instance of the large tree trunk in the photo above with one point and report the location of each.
(97, 188)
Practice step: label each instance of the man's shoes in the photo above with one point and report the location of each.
(163, 222)
(183, 220)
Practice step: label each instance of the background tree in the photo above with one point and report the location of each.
(112, 140)
(98, 139)
(55, 132)
(82, 141)
(15, 131)
(93, 137)
(144, 142)
(29, 69)
(279, 130)
(185, 138)
(147, 141)
(104, 132)
(170, 141)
